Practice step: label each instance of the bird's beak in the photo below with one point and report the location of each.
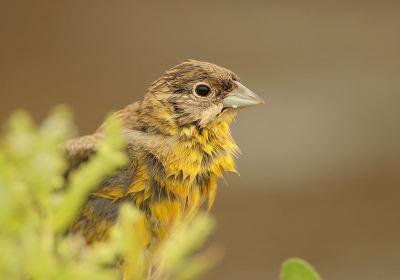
(241, 97)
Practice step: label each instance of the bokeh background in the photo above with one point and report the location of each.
(320, 160)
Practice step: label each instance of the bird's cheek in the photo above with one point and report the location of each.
(209, 114)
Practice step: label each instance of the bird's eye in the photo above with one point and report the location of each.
(203, 90)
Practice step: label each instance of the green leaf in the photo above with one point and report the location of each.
(297, 269)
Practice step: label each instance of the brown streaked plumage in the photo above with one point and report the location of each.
(178, 142)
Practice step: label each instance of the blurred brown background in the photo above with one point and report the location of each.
(320, 161)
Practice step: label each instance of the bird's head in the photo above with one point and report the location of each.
(196, 92)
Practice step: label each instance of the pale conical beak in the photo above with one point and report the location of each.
(241, 97)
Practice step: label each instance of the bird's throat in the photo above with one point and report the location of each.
(171, 186)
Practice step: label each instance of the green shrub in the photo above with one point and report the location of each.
(36, 209)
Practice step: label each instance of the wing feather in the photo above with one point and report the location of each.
(80, 149)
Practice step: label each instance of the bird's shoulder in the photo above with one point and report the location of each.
(81, 148)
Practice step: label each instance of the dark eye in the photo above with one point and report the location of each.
(203, 90)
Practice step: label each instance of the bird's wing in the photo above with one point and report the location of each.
(80, 149)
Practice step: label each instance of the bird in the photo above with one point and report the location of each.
(178, 143)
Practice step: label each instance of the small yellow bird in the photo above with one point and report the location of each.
(178, 142)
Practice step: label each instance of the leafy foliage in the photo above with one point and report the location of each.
(37, 207)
